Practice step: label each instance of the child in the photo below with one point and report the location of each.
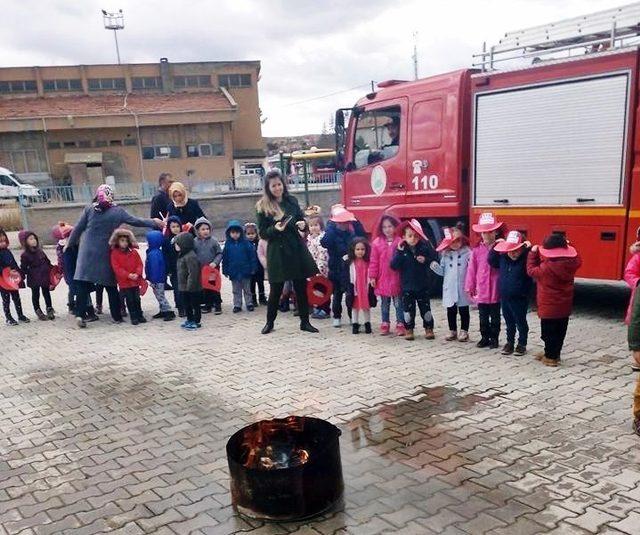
(553, 266)
(156, 271)
(36, 266)
(510, 257)
(239, 263)
(127, 267)
(7, 260)
(482, 281)
(341, 229)
(412, 259)
(632, 277)
(208, 251)
(257, 281)
(385, 280)
(358, 293)
(61, 233)
(315, 223)
(453, 265)
(189, 283)
(173, 228)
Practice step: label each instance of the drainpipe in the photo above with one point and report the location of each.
(137, 124)
(46, 147)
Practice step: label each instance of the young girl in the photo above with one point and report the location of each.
(257, 281)
(36, 266)
(358, 295)
(453, 265)
(553, 266)
(7, 260)
(127, 267)
(320, 256)
(385, 280)
(482, 281)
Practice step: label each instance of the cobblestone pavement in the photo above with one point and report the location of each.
(121, 429)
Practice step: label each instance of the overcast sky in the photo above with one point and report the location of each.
(308, 49)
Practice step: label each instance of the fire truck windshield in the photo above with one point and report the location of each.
(376, 136)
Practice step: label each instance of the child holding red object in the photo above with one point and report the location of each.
(358, 294)
(7, 260)
(36, 267)
(127, 266)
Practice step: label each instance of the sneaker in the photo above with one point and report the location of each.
(367, 328)
(401, 330)
(553, 363)
(408, 335)
(158, 315)
(81, 323)
(463, 336)
(218, 310)
(385, 328)
(41, 315)
(184, 324)
(428, 334)
(11, 322)
(484, 342)
(319, 315)
(520, 350)
(251, 308)
(51, 314)
(206, 310)
(23, 319)
(91, 317)
(169, 315)
(493, 344)
(337, 322)
(198, 325)
(507, 349)
(236, 310)
(190, 326)
(453, 335)
(134, 321)
(636, 426)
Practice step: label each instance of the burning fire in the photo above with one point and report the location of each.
(271, 444)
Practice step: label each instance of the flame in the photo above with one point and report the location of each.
(271, 444)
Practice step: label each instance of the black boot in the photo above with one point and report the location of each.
(10, 321)
(262, 299)
(484, 342)
(493, 343)
(355, 328)
(268, 327)
(169, 315)
(367, 327)
(307, 327)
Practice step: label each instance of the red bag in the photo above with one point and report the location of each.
(319, 290)
(144, 286)
(10, 279)
(55, 276)
(210, 278)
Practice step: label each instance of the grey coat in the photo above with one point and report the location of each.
(188, 264)
(92, 233)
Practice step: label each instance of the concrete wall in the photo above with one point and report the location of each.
(219, 210)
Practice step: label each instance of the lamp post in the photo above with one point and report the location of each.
(114, 21)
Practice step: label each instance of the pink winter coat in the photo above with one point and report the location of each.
(482, 280)
(387, 279)
(631, 277)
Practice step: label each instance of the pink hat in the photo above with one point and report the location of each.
(414, 225)
(486, 223)
(559, 252)
(514, 241)
(339, 214)
(62, 230)
(449, 238)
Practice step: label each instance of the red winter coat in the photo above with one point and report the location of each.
(554, 278)
(123, 264)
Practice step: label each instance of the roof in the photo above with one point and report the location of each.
(110, 105)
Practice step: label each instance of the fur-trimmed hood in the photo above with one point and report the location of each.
(113, 241)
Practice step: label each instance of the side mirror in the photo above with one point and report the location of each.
(341, 139)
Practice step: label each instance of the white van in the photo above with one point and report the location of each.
(12, 188)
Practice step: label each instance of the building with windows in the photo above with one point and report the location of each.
(80, 124)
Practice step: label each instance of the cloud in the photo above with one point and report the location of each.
(307, 48)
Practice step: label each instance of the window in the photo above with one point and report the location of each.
(62, 85)
(204, 140)
(100, 143)
(25, 161)
(234, 80)
(69, 144)
(53, 145)
(84, 144)
(18, 86)
(130, 142)
(160, 152)
(146, 82)
(106, 84)
(377, 136)
(192, 81)
(205, 150)
(426, 125)
(115, 143)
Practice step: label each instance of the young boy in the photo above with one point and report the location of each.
(510, 257)
(239, 263)
(174, 227)
(127, 267)
(7, 260)
(413, 259)
(156, 272)
(208, 251)
(189, 282)
(257, 281)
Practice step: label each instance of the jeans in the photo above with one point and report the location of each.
(514, 311)
(409, 301)
(83, 301)
(191, 302)
(275, 290)
(131, 296)
(385, 308)
(240, 287)
(177, 295)
(7, 296)
(489, 320)
(35, 297)
(452, 317)
(336, 301)
(158, 292)
(553, 334)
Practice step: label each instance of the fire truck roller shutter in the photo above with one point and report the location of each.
(561, 143)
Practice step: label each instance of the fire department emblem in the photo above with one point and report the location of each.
(378, 180)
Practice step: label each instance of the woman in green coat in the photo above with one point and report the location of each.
(280, 222)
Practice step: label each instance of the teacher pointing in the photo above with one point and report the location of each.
(280, 222)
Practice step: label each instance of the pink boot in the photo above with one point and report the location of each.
(400, 330)
(384, 328)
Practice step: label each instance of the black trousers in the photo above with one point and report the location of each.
(514, 311)
(336, 301)
(82, 300)
(452, 317)
(191, 302)
(275, 291)
(35, 297)
(409, 301)
(257, 283)
(7, 297)
(131, 296)
(489, 320)
(553, 334)
(210, 299)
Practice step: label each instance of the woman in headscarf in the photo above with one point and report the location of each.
(188, 210)
(91, 234)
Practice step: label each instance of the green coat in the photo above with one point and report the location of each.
(287, 255)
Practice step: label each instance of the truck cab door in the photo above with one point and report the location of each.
(375, 175)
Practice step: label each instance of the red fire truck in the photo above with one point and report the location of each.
(550, 146)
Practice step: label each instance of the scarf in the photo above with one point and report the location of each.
(104, 198)
(178, 186)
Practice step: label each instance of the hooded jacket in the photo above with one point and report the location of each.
(513, 281)
(35, 264)
(482, 279)
(207, 250)
(555, 284)
(126, 262)
(382, 251)
(415, 276)
(239, 258)
(336, 242)
(154, 266)
(168, 250)
(188, 265)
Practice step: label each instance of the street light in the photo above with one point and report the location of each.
(115, 22)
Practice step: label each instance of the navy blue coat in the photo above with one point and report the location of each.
(414, 276)
(239, 257)
(337, 242)
(154, 266)
(513, 280)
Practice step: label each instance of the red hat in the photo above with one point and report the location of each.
(514, 241)
(319, 290)
(486, 223)
(415, 225)
(339, 214)
(559, 252)
(449, 237)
